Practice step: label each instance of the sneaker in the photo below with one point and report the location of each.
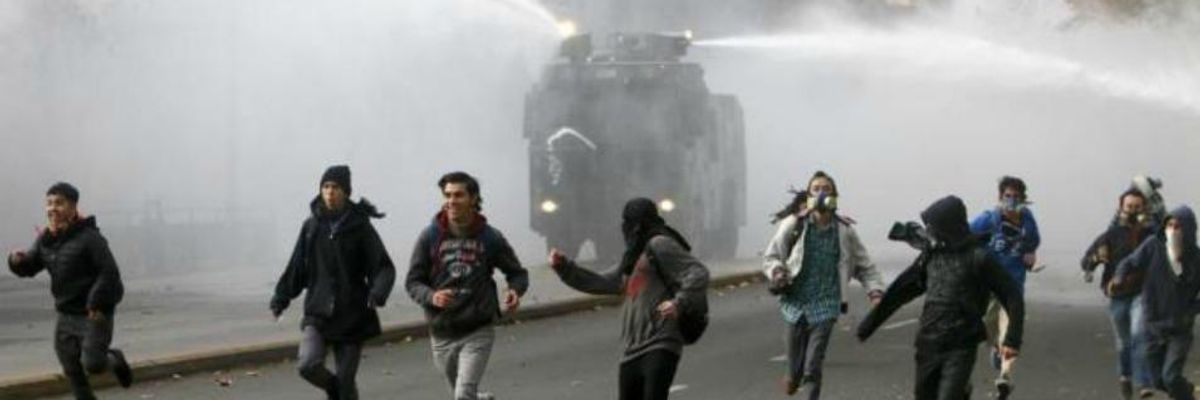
(789, 385)
(1145, 393)
(1126, 388)
(120, 368)
(485, 396)
(1004, 388)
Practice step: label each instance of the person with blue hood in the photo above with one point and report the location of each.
(957, 276)
(341, 263)
(1170, 264)
(1013, 239)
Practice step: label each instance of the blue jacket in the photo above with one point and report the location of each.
(1009, 247)
(1169, 299)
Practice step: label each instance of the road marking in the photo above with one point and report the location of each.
(678, 388)
(779, 358)
(900, 324)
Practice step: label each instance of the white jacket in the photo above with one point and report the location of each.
(853, 260)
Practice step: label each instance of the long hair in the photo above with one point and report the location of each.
(799, 197)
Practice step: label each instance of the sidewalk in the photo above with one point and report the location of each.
(214, 323)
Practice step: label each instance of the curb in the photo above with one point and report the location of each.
(276, 351)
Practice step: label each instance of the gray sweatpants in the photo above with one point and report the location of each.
(82, 348)
(806, 344)
(311, 363)
(463, 360)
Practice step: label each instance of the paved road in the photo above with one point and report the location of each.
(1068, 355)
(169, 315)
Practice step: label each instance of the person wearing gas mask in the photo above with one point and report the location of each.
(1156, 207)
(957, 276)
(1129, 229)
(450, 277)
(810, 261)
(1170, 266)
(1013, 239)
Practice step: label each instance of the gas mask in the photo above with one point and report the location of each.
(1132, 219)
(822, 202)
(1011, 204)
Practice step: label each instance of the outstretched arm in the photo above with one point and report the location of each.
(908, 286)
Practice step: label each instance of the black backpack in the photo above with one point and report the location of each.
(692, 324)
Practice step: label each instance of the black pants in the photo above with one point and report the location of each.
(311, 363)
(81, 345)
(944, 374)
(649, 376)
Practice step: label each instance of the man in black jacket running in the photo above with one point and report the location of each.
(957, 277)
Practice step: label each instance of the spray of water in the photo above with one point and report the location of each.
(939, 54)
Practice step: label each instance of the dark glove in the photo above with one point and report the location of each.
(376, 302)
(277, 306)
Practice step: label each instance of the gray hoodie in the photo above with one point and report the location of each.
(642, 329)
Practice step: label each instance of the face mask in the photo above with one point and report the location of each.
(1134, 219)
(822, 202)
(1011, 204)
(1174, 239)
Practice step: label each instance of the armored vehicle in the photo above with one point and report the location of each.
(623, 117)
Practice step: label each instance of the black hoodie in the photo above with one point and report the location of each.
(83, 273)
(340, 261)
(957, 277)
(1169, 299)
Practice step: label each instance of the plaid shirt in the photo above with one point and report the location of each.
(815, 294)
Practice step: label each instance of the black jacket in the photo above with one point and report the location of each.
(83, 273)
(958, 278)
(1112, 246)
(340, 261)
(1169, 300)
(464, 265)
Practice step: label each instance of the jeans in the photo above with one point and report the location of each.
(806, 344)
(1166, 355)
(463, 360)
(311, 363)
(1126, 316)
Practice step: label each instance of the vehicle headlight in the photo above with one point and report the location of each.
(666, 205)
(566, 28)
(549, 206)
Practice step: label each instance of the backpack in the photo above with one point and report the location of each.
(692, 324)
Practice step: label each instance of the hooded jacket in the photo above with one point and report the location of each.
(1169, 300)
(1112, 246)
(957, 277)
(340, 262)
(83, 273)
(464, 265)
(664, 267)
